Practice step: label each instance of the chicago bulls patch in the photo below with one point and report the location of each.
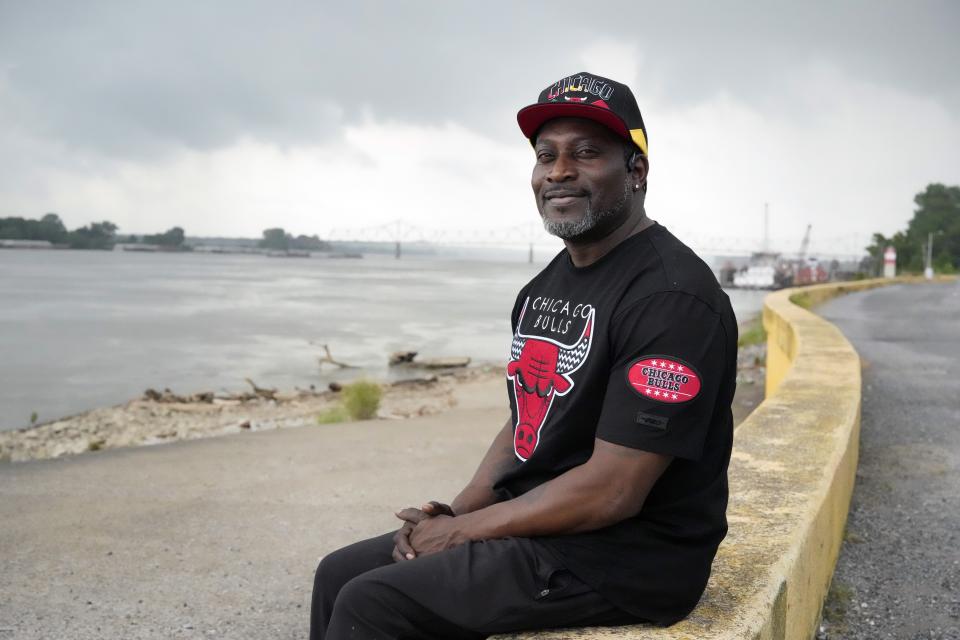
(664, 379)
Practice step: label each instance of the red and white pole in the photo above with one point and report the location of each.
(889, 262)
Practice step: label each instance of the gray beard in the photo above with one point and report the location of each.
(569, 229)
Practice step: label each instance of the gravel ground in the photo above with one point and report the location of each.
(898, 575)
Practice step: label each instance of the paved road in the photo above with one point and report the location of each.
(899, 570)
(216, 538)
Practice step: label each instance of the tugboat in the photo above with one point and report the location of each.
(765, 271)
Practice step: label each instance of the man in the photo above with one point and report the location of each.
(602, 500)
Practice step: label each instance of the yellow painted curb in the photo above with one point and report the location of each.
(791, 478)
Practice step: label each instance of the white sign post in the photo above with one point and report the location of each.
(890, 263)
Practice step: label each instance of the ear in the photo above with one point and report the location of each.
(640, 169)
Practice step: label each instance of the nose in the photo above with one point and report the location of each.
(524, 434)
(561, 170)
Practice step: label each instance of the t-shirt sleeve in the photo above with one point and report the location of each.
(668, 361)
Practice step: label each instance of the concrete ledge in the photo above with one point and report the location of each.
(791, 478)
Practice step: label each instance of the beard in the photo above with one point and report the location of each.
(591, 218)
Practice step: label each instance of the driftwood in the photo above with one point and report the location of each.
(209, 397)
(409, 359)
(267, 394)
(443, 363)
(416, 382)
(402, 357)
(327, 358)
(167, 395)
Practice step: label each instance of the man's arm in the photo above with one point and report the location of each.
(611, 486)
(476, 495)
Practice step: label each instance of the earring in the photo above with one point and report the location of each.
(636, 187)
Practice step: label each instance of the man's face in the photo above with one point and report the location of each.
(580, 179)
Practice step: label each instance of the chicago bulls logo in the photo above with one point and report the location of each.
(540, 369)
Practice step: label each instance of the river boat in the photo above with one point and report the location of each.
(766, 270)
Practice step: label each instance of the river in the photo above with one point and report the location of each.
(82, 329)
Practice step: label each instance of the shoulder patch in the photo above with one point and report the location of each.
(663, 379)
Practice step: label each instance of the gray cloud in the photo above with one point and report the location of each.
(133, 79)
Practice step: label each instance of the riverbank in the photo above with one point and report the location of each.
(153, 420)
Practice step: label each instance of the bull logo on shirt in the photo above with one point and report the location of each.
(540, 369)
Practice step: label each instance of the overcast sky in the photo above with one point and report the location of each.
(226, 118)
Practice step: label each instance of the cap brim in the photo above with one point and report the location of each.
(532, 118)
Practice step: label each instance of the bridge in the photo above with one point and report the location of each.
(531, 234)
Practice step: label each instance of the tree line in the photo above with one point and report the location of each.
(103, 235)
(96, 235)
(277, 239)
(937, 213)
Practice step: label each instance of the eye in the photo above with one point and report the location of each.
(544, 156)
(587, 152)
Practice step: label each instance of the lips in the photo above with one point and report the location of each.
(562, 198)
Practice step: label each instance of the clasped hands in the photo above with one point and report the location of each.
(426, 530)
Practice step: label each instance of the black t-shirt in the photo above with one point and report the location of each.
(637, 349)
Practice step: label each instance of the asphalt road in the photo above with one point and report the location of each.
(216, 538)
(898, 575)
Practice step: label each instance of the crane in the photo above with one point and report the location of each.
(805, 245)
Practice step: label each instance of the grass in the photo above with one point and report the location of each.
(753, 333)
(852, 537)
(333, 415)
(802, 299)
(836, 605)
(359, 400)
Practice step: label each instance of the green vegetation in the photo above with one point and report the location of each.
(359, 401)
(99, 235)
(937, 213)
(754, 333)
(333, 415)
(277, 239)
(802, 299)
(49, 228)
(835, 607)
(362, 399)
(171, 238)
(852, 537)
(33, 417)
(103, 235)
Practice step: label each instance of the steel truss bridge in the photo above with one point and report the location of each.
(531, 234)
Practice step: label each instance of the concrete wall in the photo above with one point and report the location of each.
(791, 478)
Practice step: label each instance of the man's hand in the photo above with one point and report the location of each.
(436, 534)
(402, 549)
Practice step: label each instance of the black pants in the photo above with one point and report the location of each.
(470, 592)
